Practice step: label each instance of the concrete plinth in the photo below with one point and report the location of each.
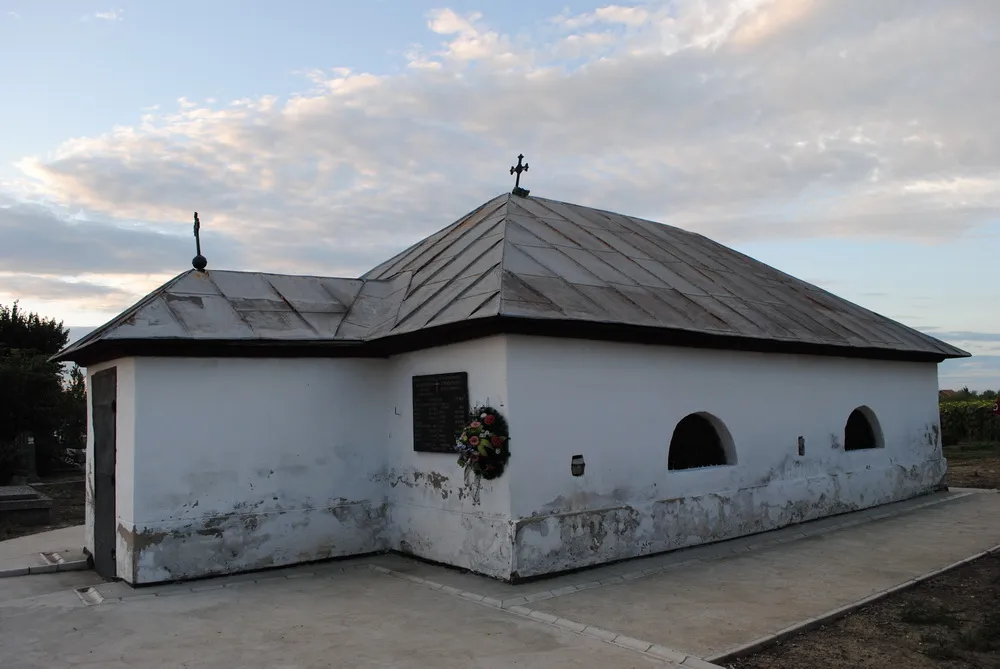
(23, 505)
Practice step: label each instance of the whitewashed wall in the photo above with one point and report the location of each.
(436, 513)
(227, 465)
(124, 458)
(617, 404)
(249, 463)
(241, 464)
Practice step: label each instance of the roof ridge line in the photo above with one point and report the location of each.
(465, 291)
(395, 260)
(503, 252)
(291, 307)
(447, 247)
(442, 288)
(599, 259)
(395, 278)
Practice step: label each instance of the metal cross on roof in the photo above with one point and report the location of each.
(199, 262)
(523, 192)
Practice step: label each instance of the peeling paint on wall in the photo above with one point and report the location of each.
(560, 541)
(241, 542)
(279, 472)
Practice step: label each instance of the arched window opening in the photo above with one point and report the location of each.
(861, 431)
(699, 440)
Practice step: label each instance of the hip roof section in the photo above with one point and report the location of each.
(523, 259)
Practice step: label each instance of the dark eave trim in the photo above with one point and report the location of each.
(617, 332)
(112, 349)
(475, 329)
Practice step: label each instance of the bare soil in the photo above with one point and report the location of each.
(975, 465)
(949, 622)
(68, 504)
(952, 621)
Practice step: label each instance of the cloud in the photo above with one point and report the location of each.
(984, 347)
(111, 15)
(79, 332)
(583, 45)
(86, 298)
(470, 41)
(612, 14)
(963, 335)
(820, 125)
(764, 20)
(37, 240)
(55, 289)
(746, 120)
(447, 22)
(981, 372)
(14, 15)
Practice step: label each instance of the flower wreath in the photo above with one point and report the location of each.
(483, 446)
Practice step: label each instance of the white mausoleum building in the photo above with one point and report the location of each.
(245, 420)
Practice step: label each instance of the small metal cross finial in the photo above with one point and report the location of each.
(199, 262)
(523, 192)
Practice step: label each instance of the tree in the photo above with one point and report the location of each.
(73, 414)
(30, 332)
(30, 393)
(33, 396)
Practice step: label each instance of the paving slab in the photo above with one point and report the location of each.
(63, 546)
(67, 538)
(709, 608)
(357, 619)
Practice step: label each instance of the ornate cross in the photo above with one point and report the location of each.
(199, 262)
(517, 183)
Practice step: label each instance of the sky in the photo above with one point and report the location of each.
(849, 143)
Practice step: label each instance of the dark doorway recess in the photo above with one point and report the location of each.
(105, 406)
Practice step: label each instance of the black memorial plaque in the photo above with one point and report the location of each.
(440, 410)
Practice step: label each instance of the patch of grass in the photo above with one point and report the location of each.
(928, 614)
(972, 450)
(976, 446)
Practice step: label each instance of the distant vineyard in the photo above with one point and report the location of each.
(969, 420)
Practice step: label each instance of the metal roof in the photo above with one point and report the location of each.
(525, 258)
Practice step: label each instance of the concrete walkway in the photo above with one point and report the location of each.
(711, 608)
(23, 555)
(672, 610)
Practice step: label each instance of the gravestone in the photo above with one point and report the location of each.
(23, 505)
(25, 443)
(440, 410)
